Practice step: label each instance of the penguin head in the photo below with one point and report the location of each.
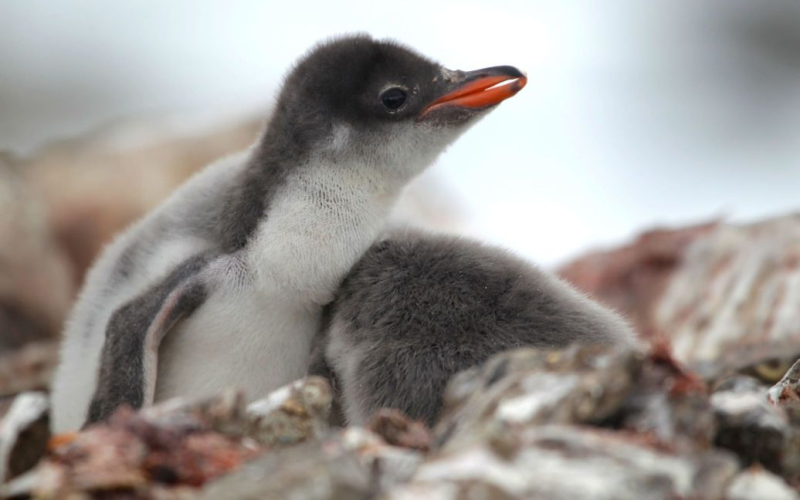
(380, 104)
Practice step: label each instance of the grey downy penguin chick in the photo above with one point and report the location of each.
(224, 283)
(418, 308)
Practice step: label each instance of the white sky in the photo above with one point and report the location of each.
(636, 113)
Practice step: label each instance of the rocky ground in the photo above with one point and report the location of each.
(710, 410)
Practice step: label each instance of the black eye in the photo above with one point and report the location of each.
(394, 98)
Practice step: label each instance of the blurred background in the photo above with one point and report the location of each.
(636, 113)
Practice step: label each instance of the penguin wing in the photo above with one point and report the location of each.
(129, 357)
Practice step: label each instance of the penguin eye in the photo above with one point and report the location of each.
(394, 98)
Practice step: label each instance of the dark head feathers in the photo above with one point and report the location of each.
(344, 78)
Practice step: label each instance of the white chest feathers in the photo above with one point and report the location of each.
(319, 224)
(257, 334)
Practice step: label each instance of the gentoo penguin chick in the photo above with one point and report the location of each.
(417, 308)
(224, 283)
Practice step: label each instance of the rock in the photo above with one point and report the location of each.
(669, 404)
(398, 430)
(171, 449)
(224, 413)
(786, 393)
(755, 483)
(767, 362)
(28, 368)
(36, 284)
(734, 288)
(390, 465)
(568, 462)
(161, 451)
(720, 293)
(755, 430)
(352, 463)
(313, 470)
(581, 384)
(24, 432)
(292, 414)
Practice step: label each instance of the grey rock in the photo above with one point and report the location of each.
(786, 393)
(390, 465)
(28, 368)
(163, 451)
(308, 471)
(757, 431)
(528, 386)
(294, 413)
(732, 290)
(36, 277)
(568, 462)
(755, 483)
(399, 430)
(669, 404)
(353, 463)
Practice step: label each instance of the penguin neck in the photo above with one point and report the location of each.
(320, 221)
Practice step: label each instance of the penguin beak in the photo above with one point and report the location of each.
(478, 89)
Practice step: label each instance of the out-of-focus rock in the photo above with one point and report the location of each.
(171, 446)
(736, 286)
(526, 386)
(399, 430)
(352, 463)
(36, 282)
(669, 404)
(24, 432)
(755, 430)
(756, 483)
(28, 368)
(786, 393)
(224, 413)
(171, 449)
(724, 295)
(308, 471)
(292, 414)
(390, 465)
(767, 362)
(568, 462)
(632, 278)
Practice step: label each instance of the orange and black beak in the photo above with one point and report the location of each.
(476, 90)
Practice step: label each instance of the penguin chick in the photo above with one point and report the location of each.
(417, 308)
(224, 283)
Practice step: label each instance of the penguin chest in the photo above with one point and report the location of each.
(247, 340)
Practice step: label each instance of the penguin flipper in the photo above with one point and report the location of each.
(129, 358)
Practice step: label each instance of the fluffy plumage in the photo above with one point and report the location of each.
(418, 308)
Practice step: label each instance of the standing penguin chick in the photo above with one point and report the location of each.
(223, 284)
(417, 309)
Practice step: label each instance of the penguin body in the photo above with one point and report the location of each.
(224, 284)
(418, 308)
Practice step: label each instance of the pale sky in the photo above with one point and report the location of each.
(636, 113)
